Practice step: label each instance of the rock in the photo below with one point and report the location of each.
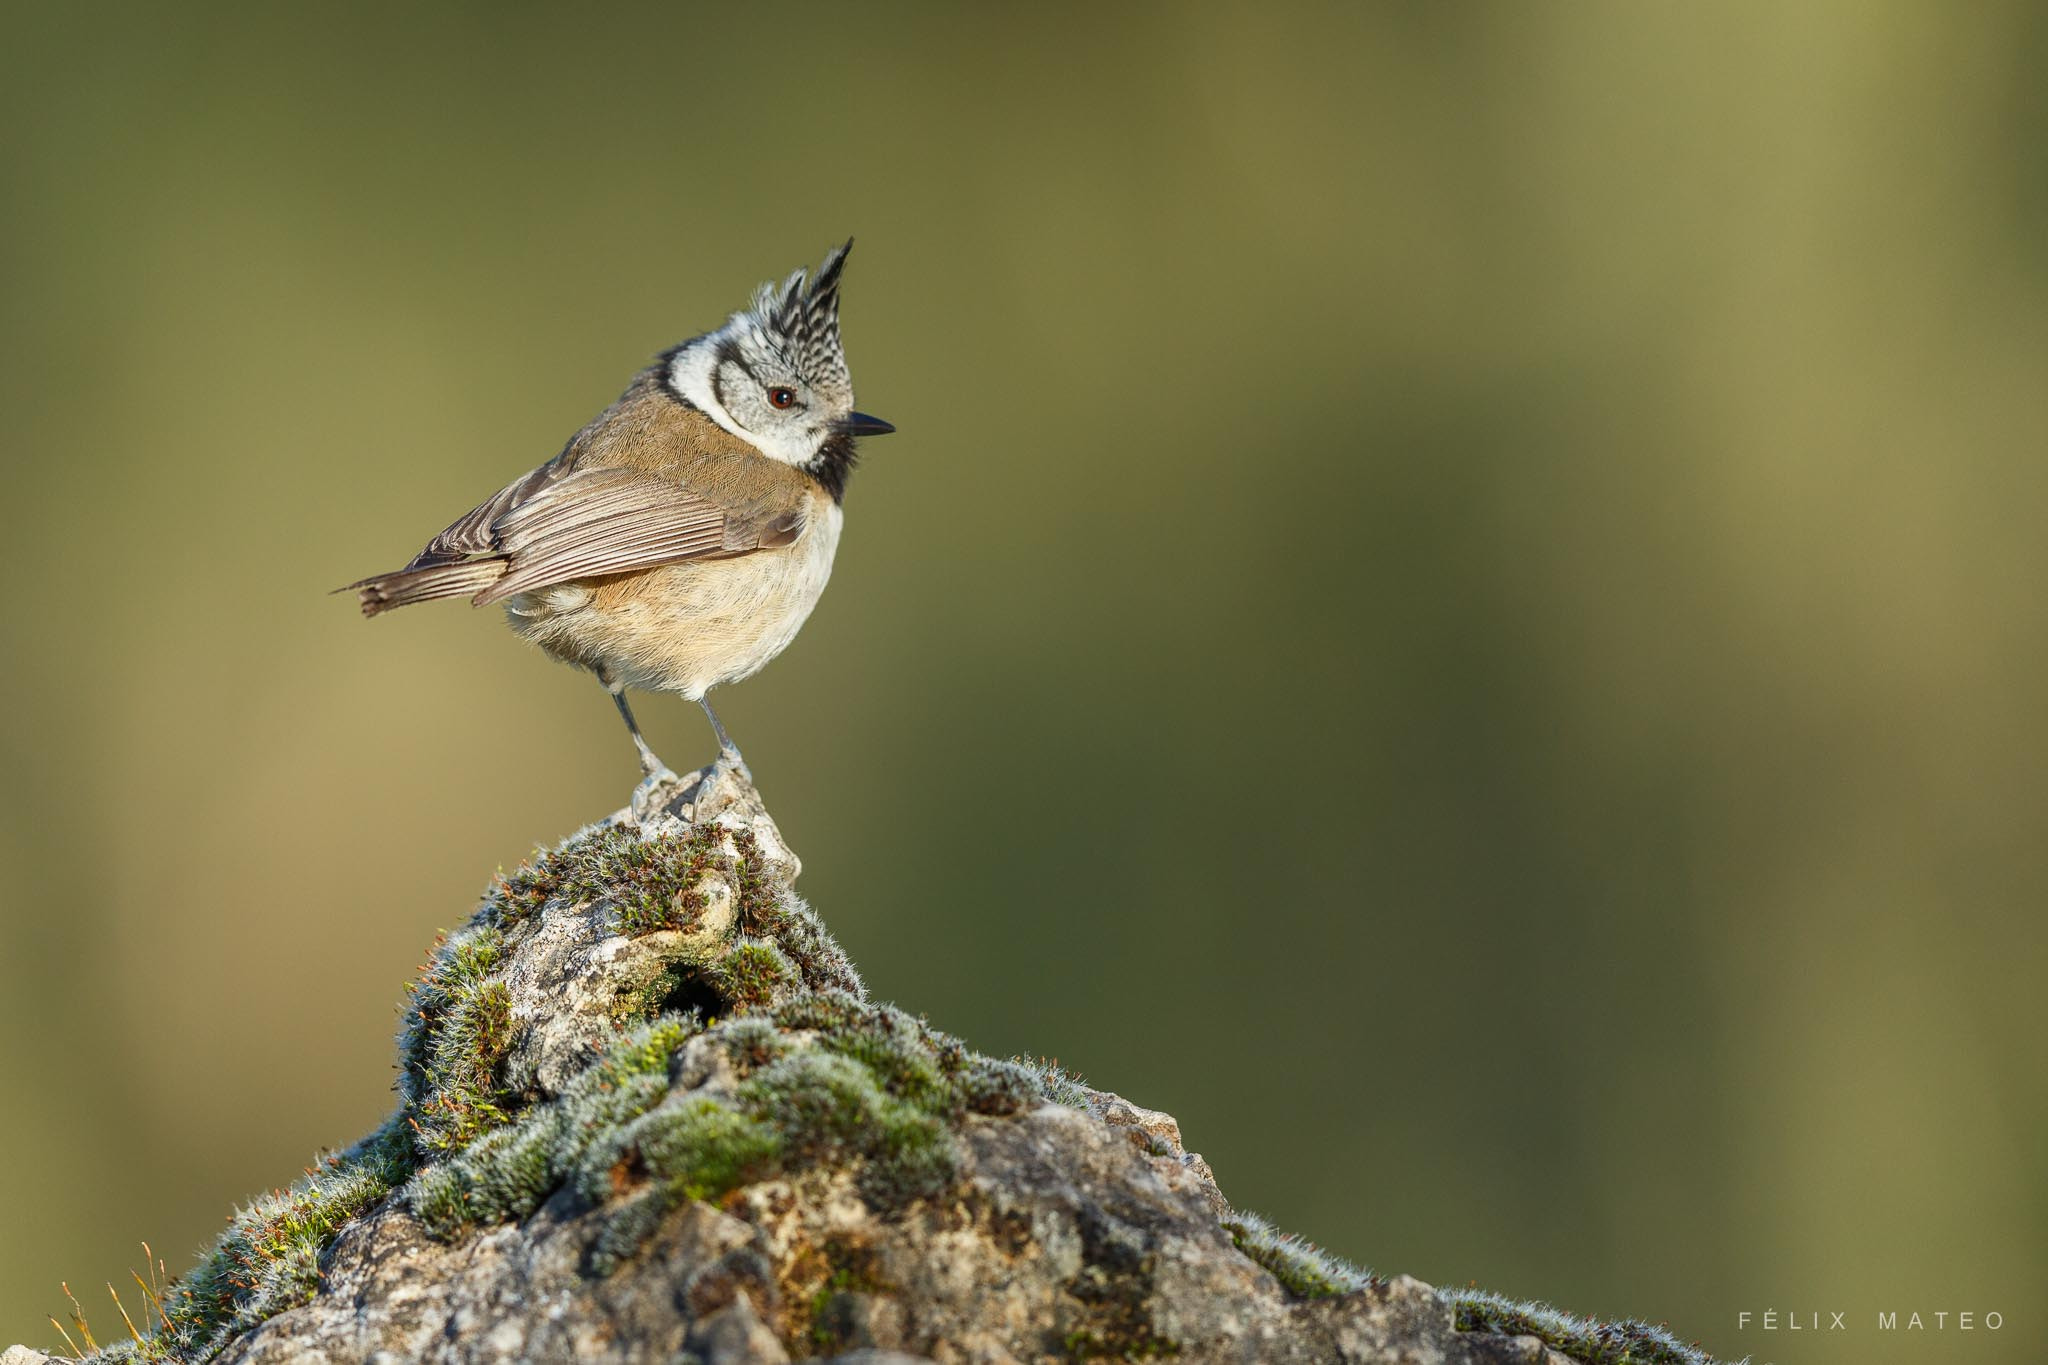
(735, 1335)
(648, 1113)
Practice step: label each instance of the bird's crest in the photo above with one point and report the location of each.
(801, 316)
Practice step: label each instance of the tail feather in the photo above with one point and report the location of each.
(407, 586)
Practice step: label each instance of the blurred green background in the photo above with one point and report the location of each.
(1459, 601)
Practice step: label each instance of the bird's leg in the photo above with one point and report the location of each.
(726, 748)
(656, 784)
(650, 765)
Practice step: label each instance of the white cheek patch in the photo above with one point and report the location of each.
(690, 372)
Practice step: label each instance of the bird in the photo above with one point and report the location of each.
(680, 540)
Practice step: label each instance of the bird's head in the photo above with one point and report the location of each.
(775, 375)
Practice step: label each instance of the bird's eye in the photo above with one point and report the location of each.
(782, 398)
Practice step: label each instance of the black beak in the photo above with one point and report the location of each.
(860, 424)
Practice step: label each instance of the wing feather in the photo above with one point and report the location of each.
(607, 521)
(473, 535)
(560, 523)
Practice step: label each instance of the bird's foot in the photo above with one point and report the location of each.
(656, 792)
(718, 786)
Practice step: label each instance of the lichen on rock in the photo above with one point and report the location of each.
(648, 1112)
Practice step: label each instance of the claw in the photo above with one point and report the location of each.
(654, 794)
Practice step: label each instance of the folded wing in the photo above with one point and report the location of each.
(559, 524)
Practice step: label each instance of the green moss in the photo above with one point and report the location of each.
(1595, 1343)
(990, 1086)
(903, 1056)
(825, 1079)
(761, 911)
(831, 1110)
(653, 884)
(510, 1172)
(876, 1092)
(930, 1070)
(751, 1042)
(268, 1260)
(651, 881)
(505, 1174)
(1303, 1270)
(820, 963)
(1056, 1084)
(821, 1011)
(795, 1109)
(691, 1147)
(702, 1149)
(750, 975)
(457, 1031)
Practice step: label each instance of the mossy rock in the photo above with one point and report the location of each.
(648, 1112)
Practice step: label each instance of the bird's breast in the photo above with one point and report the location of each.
(690, 626)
